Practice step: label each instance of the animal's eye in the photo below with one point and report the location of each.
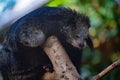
(77, 36)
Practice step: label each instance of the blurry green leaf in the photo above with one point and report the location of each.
(87, 54)
(92, 31)
(96, 58)
(85, 71)
(56, 2)
(115, 56)
(113, 32)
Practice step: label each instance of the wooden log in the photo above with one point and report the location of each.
(63, 67)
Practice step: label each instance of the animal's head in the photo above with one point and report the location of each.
(78, 33)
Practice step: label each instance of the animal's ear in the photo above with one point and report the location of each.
(89, 43)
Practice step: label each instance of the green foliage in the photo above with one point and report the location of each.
(55, 2)
(105, 22)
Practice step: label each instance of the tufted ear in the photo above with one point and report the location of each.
(89, 43)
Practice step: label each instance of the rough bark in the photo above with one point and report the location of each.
(107, 70)
(64, 69)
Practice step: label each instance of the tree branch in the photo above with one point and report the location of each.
(107, 70)
(64, 69)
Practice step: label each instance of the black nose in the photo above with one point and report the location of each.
(81, 45)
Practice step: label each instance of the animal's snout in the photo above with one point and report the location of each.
(81, 45)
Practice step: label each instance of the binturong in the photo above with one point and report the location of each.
(22, 56)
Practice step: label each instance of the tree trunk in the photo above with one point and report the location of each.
(63, 67)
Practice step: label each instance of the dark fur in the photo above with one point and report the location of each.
(22, 57)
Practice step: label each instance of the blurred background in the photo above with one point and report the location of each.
(105, 29)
